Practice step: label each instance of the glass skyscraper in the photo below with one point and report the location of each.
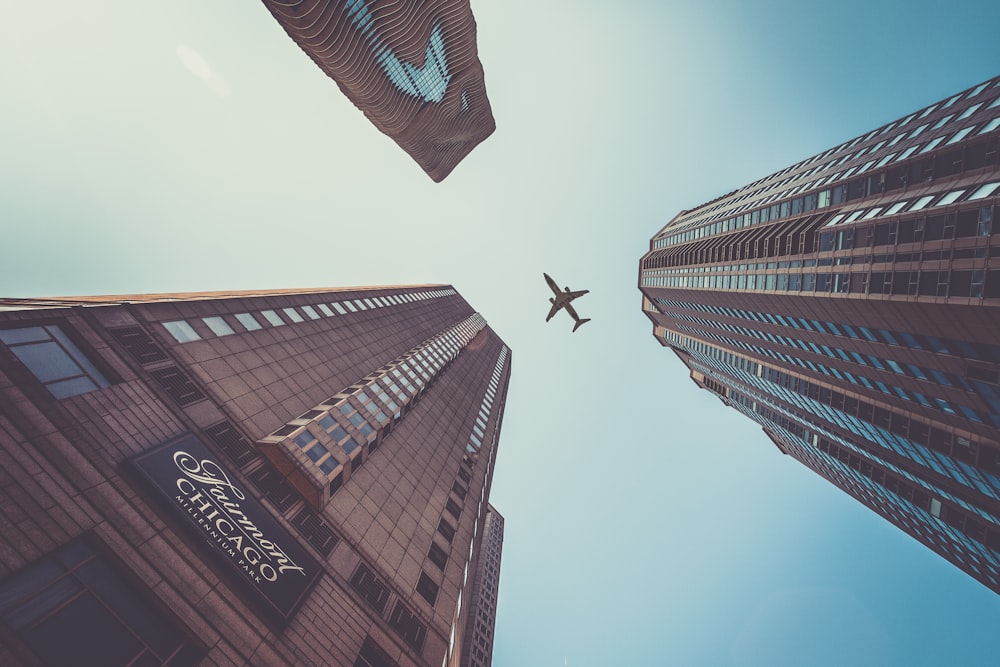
(850, 305)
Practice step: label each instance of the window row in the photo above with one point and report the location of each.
(334, 434)
(935, 344)
(183, 332)
(838, 156)
(884, 364)
(914, 440)
(893, 391)
(908, 500)
(972, 193)
(944, 283)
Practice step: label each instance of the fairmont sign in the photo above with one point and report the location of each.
(269, 563)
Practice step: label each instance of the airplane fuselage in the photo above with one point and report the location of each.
(561, 301)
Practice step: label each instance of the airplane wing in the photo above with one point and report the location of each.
(552, 283)
(573, 295)
(572, 311)
(552, 311)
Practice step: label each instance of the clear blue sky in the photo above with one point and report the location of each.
(190, 145)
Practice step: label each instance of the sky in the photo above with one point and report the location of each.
(191, 146)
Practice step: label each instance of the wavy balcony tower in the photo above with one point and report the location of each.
(411, 67)
(850, 304)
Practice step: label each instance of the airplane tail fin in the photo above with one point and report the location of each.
(581, 322)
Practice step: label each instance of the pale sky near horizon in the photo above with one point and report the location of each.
(188, 146)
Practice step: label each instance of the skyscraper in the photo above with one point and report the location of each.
(478, 650)
(283, 477)
(412, 67)
(849, 304)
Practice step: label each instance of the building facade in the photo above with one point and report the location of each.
(270, 478)
(412, 67)
(849, 304)
(478, 650)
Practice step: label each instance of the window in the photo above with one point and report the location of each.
(325, 309)
(72, 603)
(968, 112)
(218, 326)
(931, 145)
(922, 202)
(446, 530)
(453, 508)
(951, 101)
(438, 556)
(308, 310)
(292, 314)
(895, 208)
(248, 321)
(961, 134)
(950, 197)
(918, 130)
(54, 360)
(370, 587)
(990, 126)
(372, 655)
(984, 191)
(427, 588)
(908, 152)
(181, 331)
(272, 317)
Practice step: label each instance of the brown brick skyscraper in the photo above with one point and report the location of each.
(850, 305)
(412, 68)
(289, 477)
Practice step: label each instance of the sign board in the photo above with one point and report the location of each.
(270, 565)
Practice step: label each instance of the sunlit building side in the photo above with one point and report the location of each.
(412, 67)
(850, 304)
(295, 477)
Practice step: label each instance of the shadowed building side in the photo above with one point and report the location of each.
(280, 477)
(412, 68)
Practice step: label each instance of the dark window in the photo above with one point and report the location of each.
(139, 344)
(885, 234)
(73, 603)
(372, 655)
(437, 555)
(427, 588)
(408, 626)
(315, 530)
(459, 490)
(960, 283)
(371, 588)
(178, 385)
(54, 360)
(447, 530)
(839, 194)
(935, 228)
(235, 445)
(274, 487)
(967, 224)
(453, 508)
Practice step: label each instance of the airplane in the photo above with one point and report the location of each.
(562, 300)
